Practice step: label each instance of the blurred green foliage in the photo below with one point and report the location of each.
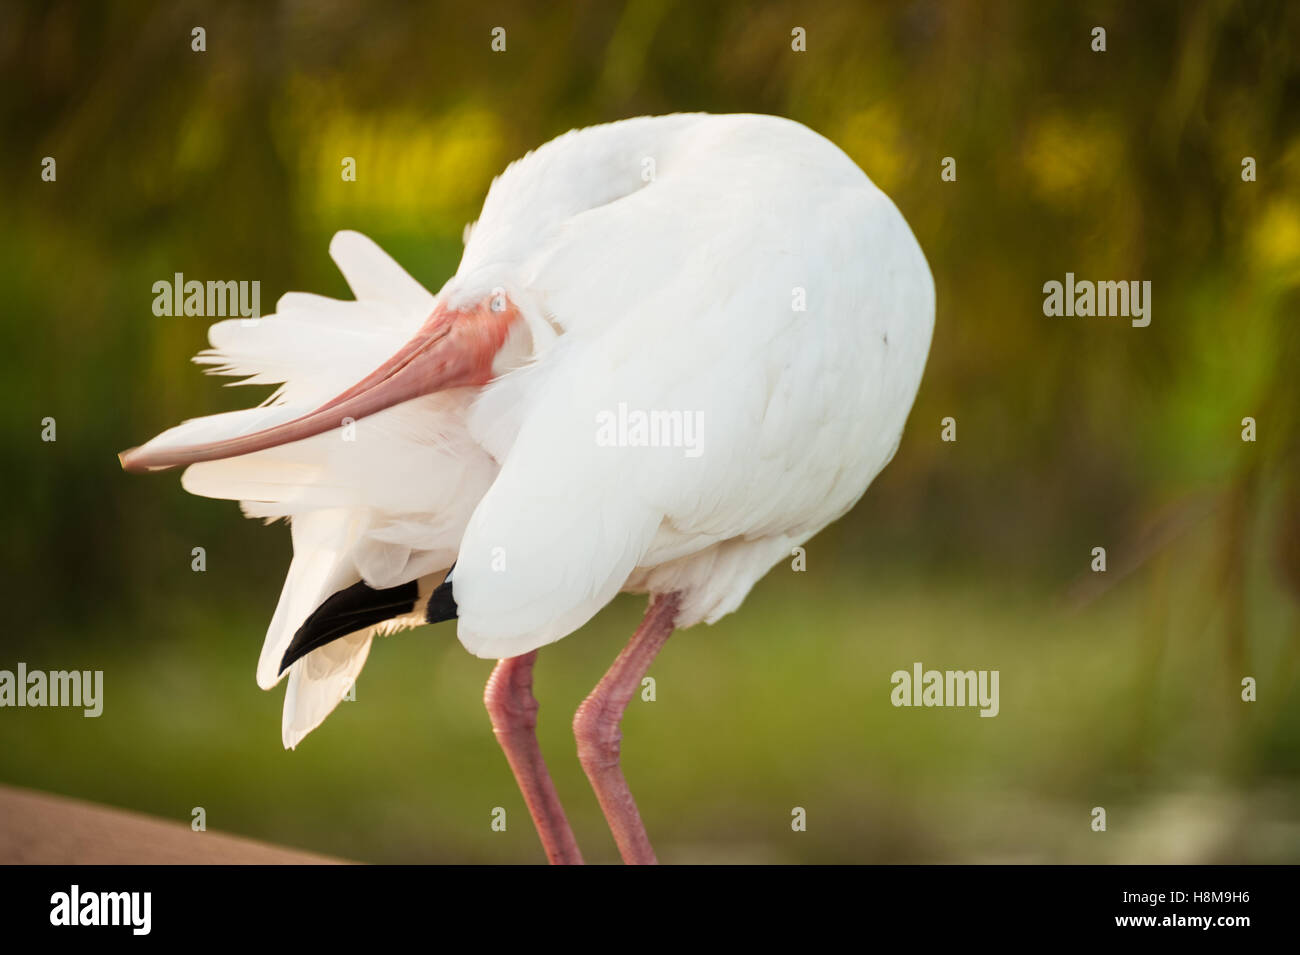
(1072, 433)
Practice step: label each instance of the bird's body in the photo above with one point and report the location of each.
(690, 343)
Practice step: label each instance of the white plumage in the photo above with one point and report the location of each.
(655, 264)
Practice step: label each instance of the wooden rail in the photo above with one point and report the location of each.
(42, 829)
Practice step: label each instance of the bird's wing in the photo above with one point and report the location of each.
(385, 501)
(683, 299)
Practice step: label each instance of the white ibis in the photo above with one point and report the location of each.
(675, 349)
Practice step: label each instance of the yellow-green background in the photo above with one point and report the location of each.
(1120, 690)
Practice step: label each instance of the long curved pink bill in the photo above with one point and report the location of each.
(451, 349)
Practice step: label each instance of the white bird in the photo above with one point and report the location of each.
(675, 349)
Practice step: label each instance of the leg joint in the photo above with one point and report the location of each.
(598, 734)
(509, 698)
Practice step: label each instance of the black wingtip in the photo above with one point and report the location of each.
(442, 605)
(351, 609)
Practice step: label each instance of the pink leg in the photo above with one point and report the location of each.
(510, 703)
(596, 727)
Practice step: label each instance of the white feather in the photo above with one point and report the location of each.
(691, 311)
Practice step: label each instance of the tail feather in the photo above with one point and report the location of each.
(330, 655)
(374, 276)
(319, 682)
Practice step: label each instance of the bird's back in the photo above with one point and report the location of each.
(758, 286)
